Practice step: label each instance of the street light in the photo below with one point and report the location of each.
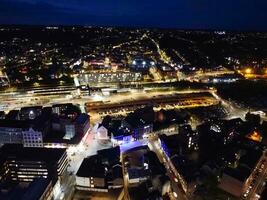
(248, 71)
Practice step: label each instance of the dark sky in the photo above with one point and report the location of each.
(195, 14)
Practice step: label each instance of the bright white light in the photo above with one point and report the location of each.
(134, 62)
(98, 98)
(175, 194)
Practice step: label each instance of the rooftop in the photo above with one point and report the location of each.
(18, 152)
(82, 118)
(36, 189)
(112, 155)
(240, 173)
(91, 167)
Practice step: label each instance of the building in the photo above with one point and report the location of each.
(28, 127)
(69, 130)
(30, 113)
(121, 136)
(32, 138)
(116, 132)
(11, 131)
(82, 124)
(167, 72)
(2, 115)
(136, 176)
(109, 77)
(170, 144)
(12, 115)
(140, 122)
(39, 189)
(237, 179)
(141, 64)
(21, 132)
(102, 132)
(233, 180)
(67, 110)
(135, 126)
(100, 172)
(71, 127)
(184, 169)
(21, 164)
(188, 137)
(91, 174)
(115, 177)
(69, 121)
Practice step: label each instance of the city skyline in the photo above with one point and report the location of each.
(133, 100)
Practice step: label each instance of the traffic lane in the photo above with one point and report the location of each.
(258, 178)
(259, 184)
(176, 186)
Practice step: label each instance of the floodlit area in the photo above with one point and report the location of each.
(87, 147)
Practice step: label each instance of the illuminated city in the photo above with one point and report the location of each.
(116, 110)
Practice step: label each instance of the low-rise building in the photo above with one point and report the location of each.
(68, 120)
(100, 172)
(91, 174)
(109, 77)
(140, 122)
(29, 129)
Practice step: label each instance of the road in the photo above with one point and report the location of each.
(176, 185)
(125, 179)
(233, 109)
(257, 180)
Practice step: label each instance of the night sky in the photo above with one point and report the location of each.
(189, 14)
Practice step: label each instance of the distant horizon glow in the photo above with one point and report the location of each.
(180, 14)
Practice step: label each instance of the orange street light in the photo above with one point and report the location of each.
(248, 71)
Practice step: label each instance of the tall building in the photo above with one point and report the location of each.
(20, 164)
